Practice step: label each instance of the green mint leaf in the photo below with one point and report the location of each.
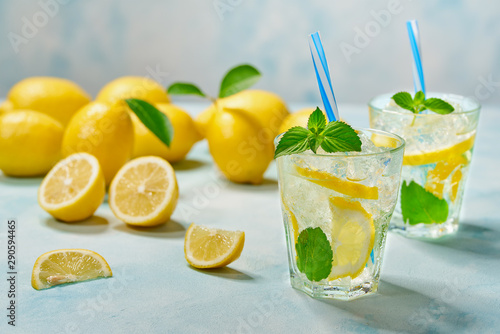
(314, 141)
(420, 206)
(340, 137)
(317, 121)
(156, 121)
(419, 98)
(184, 88)
(314, 254)
(237, 79)
(438, 106)
(295, 140)
(404, 100)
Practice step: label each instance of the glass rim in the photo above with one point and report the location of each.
(391, 150)
(473, 110)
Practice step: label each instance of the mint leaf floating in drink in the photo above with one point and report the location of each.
(420, 206)
(333, 137)
(185, 88)
(419, 103)
(438, 106)
(340, 137)
(314, 254)
(156, 121)
(404, 100)
(295, 140)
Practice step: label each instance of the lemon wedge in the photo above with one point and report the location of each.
(73, 189)
(439, 155)
(68, 266)
(206, 247)
(144, 192)
(345, 187)
(353, 236)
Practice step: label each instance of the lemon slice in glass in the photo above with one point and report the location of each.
(345, 187)
(352, 238)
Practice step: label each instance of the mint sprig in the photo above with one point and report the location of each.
(420, 206)
(314, 254)
(332, 137)
(419, 103)
(236, 79)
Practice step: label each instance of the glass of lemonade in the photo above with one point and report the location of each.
(336, 211)
(436, 162)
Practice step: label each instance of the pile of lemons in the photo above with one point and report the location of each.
(51, 127)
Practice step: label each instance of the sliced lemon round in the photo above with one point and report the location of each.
(353, 236)
(206, 247)
(327, 180)
(73, 189)
(144, 192)
(448, 153)
(68, 266)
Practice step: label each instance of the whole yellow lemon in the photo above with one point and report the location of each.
(185, 135)
(6, 106)
(133, 87)
(30, 143)
(267, 108)
(104, 130)
(56, 97)
(298, 118)
(240, 146)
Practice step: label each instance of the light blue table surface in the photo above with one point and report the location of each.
(451, 285)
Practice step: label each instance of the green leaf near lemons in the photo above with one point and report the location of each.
(156, 121)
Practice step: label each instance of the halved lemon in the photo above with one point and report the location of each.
(206, 247)
(144, 192)
(439, 155)
(73, 189)
(345, 187)
(68, 266)
(353, 236)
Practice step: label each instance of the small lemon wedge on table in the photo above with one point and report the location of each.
(144, 192)
(206, 247)
(73, 189)
(353, 236)
(68, 266)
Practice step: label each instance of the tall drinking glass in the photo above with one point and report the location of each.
(336, 211)
(436, 162)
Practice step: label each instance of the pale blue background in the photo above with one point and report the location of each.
(93, 42)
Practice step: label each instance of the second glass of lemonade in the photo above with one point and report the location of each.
(436, 162)
(336, 210)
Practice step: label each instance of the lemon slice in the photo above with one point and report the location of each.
(439, 155)
(436, 177)
(353, 235)
(327, 180)
(67, 266)
(144, 192)
(73, 189)
(206, 247)
(291, 216)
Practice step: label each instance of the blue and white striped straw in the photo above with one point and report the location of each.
(418, 72)
(323, 77)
